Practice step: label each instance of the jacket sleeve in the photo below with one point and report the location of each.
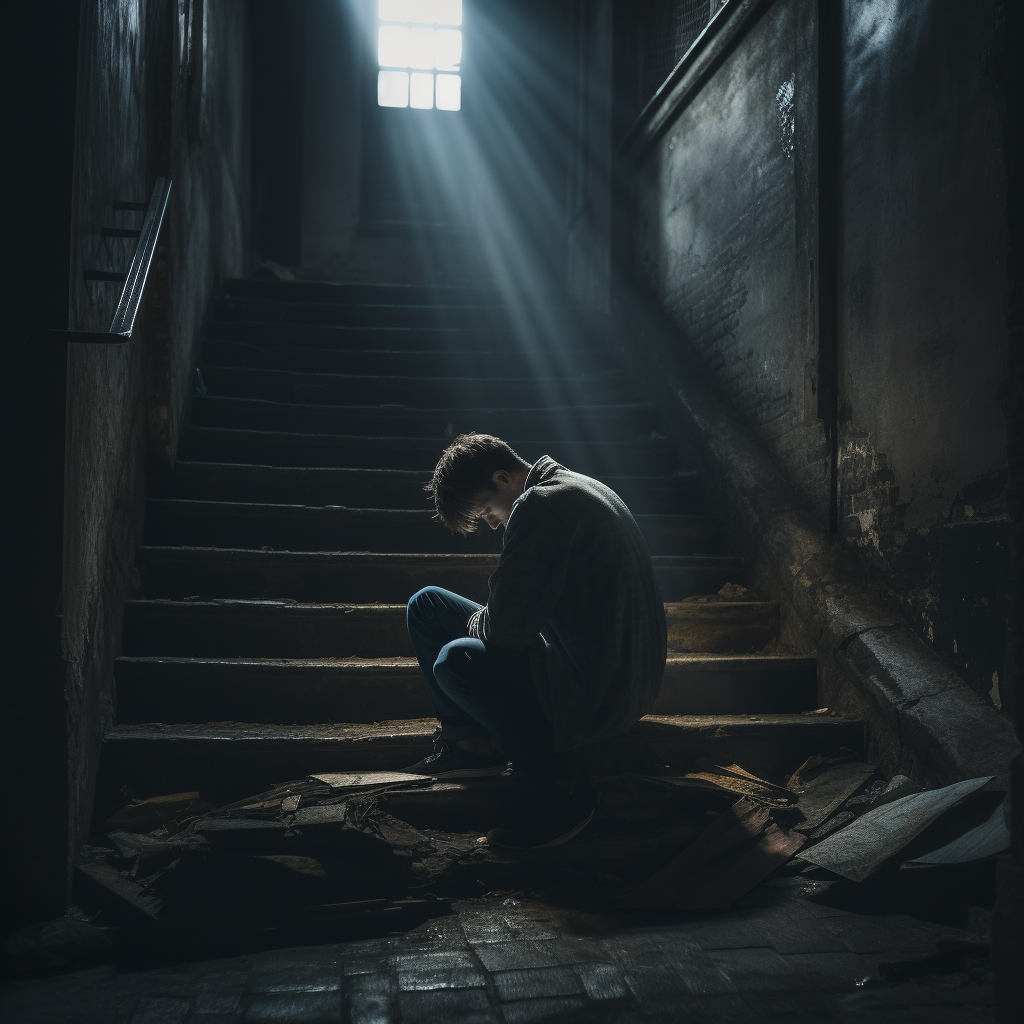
(525, 587)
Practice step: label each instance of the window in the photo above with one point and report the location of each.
(419, 37)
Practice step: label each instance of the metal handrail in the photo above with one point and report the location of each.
(123, 324)
(135, 285)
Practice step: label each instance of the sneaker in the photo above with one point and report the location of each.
(452, 762)
(559, 812)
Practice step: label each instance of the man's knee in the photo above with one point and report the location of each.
(422, 601)
(454, 665)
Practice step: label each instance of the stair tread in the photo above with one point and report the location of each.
(397, 514)
(599, 407)
(681, 476)
(418, 378)
(751, 662)
(424, 727)
(396, 441)
(365, 557)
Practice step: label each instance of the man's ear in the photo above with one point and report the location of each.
(501, 477)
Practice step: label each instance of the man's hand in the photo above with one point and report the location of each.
(473, 625)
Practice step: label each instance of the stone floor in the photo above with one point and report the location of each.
(782, 955)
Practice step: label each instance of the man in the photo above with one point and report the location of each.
(570, 647)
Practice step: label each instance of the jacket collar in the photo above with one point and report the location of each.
(543, 469)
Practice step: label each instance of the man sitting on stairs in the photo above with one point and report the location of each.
(569, 649)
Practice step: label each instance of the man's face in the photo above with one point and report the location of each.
(495, 506)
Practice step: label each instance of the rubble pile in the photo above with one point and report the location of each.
(338, 844)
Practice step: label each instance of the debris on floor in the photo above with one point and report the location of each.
(50, 944)
(861, 847)
(990, 837)
(159, 812)
(740, 849)
(335, 845)
(823, 785)
(731, 779)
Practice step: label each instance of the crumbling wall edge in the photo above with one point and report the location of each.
(923, 719)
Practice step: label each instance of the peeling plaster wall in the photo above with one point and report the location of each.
(726, 235)
(923, 342)
(126, 403)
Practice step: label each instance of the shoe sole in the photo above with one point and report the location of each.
(559, 841)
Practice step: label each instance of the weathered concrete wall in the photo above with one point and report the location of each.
(726, 236)
(923, 351)
(128, 401)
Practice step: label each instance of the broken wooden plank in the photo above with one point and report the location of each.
(859, 849)
(978, 843)
(825, 790)
(736, 853)
(730, 780)
(167, 812)
(122, 898)
(359, 780)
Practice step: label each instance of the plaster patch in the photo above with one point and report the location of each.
(784, 99)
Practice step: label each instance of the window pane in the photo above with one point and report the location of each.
(421, 48)
(393, 46)
(421, 11)
(449, 92)
(392, 88)
(393, 10)
(421, 90)
(447, 12)
(449, 49)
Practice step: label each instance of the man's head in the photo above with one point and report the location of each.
(478, 477)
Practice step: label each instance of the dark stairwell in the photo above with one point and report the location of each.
(753, 263)
(269, 640)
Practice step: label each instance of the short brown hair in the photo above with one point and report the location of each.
(464, 473)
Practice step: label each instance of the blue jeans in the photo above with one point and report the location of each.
(479, 690)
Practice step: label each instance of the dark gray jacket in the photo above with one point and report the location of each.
(575, 587)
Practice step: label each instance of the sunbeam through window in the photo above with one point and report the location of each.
(419, 54)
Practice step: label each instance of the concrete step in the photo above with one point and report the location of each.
(427, 340)
(422, 392)
(629, 421)
(279, 448)
(234, 524)
(318, 576)
(386, 488)
(309, 691)
(384, 314)
(226, 628)
(508, 362)
(227, 761)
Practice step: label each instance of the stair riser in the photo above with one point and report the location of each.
(286, 631)
(380, 315)
(289, 695)
(392, 584)
(730, 628)
(640, 458)
(399, 363)
(629, 423)
(225, 770)
(430, 340)
(420, 393)
(397, 489)
(207, 524)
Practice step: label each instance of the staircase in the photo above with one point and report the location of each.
(270, 639)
